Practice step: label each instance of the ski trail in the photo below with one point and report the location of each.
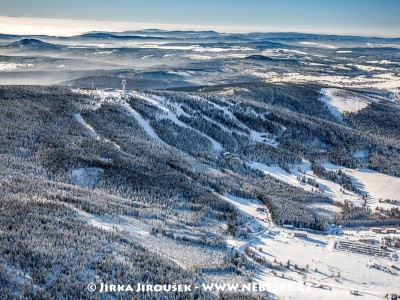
(143, 123)
(171, 116)
(89, 128)
(254, 135)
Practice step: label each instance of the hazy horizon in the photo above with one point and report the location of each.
(342, 17)
(369, 19)
(15, 25)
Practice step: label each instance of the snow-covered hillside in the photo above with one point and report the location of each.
(339, 102)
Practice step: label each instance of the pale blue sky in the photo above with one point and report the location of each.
(377, 16)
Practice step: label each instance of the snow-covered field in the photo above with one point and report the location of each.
(7, 67)
(387, 81)
(86, 176)
(122, 223)
(339, 103)
(369, 68)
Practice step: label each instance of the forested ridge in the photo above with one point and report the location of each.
(86, 178)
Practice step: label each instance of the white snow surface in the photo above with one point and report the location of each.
(122, 223)
(7, 67)
(319, 45)
(368, 68)
(338, 103)
(377, 185)
(87, 177)
(384, 80)
(89, 128)
(361, 153)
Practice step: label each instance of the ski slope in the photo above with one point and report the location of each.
(377, 185)
(143, 123)
(339, 103)
(89, 128)
(158, 101)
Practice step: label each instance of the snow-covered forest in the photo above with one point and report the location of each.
(198, 157)
(106, 184)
